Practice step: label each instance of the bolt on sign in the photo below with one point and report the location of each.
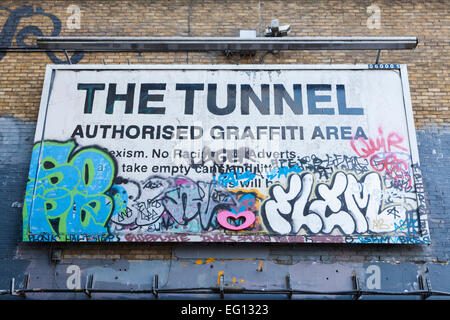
(217, 153)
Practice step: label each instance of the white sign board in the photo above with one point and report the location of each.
(294, 153)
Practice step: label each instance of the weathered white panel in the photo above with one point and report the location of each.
(225, 153)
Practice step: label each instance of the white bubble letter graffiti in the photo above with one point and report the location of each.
(329, 206)
(285, 210)
(363, 195)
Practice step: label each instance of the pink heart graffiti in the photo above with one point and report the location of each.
(223, 216)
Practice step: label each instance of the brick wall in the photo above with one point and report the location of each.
(22, 74)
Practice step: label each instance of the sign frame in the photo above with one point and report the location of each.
(422, 238)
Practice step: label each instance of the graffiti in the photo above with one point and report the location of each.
(131, 209)
(408, 226)
(385, 155)
(75, 194)
(180, 204)
(216, 157)
(388, 240)
(66, 191)
(12, 23)
(241, 215)
(421, 202)
(347, 204)
(311, 164)
(282, 171)
(368, 148)
(156, 238)
(82, 237)
(395, 168)
(324, 166)
(221, 237)
(233, 178)
(348, 163)
(225, 216)
(187, 199)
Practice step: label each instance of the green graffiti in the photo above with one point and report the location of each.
(66, 193)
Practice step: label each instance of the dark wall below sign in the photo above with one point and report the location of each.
(249, 262)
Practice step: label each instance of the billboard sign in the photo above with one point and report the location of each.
(220, 153)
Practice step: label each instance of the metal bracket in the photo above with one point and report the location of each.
(422, 287)
(428, 281)
(25, 285)
(261, 58)
(356, 286)
(55, 255)
(67, 57)
(221, 289)
(378, 56)
(89, 285)
(289, 286)
(228, 53)
(15, 292)
(155, 286)
(11, 287)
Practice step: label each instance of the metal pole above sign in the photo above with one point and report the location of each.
(170, 44)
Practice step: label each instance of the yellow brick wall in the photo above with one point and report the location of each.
(22, 74)
(128, 251)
